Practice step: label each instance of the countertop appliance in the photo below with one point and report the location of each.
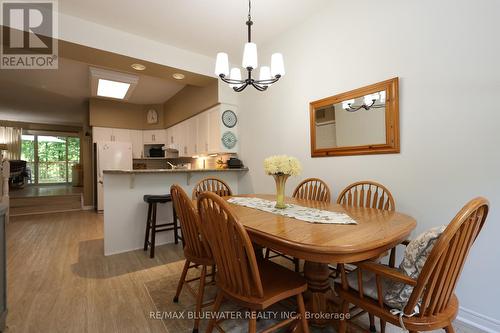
(234, 163)
(110, 156)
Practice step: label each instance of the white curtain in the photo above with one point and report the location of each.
(12, 137)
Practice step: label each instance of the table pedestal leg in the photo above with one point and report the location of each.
(319, 296)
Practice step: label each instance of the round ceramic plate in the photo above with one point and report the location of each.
(229, 118)
(229, 140)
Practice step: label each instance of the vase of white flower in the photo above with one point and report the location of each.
(281, 167)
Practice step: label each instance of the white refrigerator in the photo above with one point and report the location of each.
(110, 156)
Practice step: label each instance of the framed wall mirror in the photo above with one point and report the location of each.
(357, 122)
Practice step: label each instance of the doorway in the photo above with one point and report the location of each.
(50, 158)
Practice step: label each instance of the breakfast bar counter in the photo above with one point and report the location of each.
(125, 211)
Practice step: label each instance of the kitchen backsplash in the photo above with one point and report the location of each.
(209, 162)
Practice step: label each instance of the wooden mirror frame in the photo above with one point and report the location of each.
(391, 146)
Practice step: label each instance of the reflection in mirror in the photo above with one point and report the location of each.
(361, 121)
(355, 122)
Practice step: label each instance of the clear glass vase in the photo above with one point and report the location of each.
(280, 180)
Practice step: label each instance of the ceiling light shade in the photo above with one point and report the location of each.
(178, 76)
(111, 84)
(265, 73)
(235, 75)
(222, 64)
(347, 104)
(250, 56)
(138, 67)
(382, 97)
(112, 89)
(368, 99)
(277, 65)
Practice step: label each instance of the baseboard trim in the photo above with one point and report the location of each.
(479, 321)
(88, 207)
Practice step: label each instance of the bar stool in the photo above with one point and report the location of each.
(152, 228)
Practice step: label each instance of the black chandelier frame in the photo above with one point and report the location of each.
(260, 85)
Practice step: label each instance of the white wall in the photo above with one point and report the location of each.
(446, 54)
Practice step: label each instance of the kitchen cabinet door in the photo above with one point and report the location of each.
(154, 137)
(214, 131)
(102, 134)
(137, 143)
(191, 137)
(202, 125)
(120, 135)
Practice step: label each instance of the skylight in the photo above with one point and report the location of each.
(112, 89)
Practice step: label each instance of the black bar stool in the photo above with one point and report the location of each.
(152, 228)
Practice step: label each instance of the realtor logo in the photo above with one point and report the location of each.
(29, 39)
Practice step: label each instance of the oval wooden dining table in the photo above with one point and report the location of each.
(321, 244)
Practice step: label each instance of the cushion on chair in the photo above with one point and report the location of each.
(416, 253)
(396, 294)
(156, 198)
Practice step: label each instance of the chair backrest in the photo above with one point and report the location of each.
(215, 185)
(312, 189)
(232, 250)
(439, 276)
(368, 194)
(194, 243)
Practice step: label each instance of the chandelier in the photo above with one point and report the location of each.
(369, 102)
(268, 75)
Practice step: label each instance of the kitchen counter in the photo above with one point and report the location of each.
(170, 171)
(125, 210)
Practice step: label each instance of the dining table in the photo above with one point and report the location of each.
(321, 244)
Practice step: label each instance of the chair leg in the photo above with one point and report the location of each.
(382, 326)
(302, 312)
(153, 233)
(199, 300)
(212, 279)
(181, 281)
(297, 264)
(148, 226)
(373, 329)
(449, 329)
(252, 323)
(217, 304)
(343, 323)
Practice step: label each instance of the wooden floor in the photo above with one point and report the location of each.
(45, 190)
(60, 281)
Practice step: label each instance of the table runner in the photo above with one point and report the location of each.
(306, 214)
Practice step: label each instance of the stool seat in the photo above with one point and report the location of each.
(155, 198)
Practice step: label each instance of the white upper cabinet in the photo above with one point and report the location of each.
(103, 134)
(207, 133)
(137, 144)
(202, 130)
(154, 136)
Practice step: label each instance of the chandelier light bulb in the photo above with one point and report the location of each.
(250, 56)
(382, 97)
(235, 75)
(277, 65)
(222, 64)
(265, 73)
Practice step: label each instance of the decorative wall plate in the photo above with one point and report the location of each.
(229, 140)
(229, 118)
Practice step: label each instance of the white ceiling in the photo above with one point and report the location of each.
(202, 26)
(61, 96)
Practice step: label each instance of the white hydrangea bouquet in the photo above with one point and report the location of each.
(281, 167)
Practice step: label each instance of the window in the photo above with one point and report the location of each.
(50, 158)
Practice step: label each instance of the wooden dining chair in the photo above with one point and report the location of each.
(240, 278)
(211, 184)
(309, 189)
(433, 290)
(196, 251)
(368, 194)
